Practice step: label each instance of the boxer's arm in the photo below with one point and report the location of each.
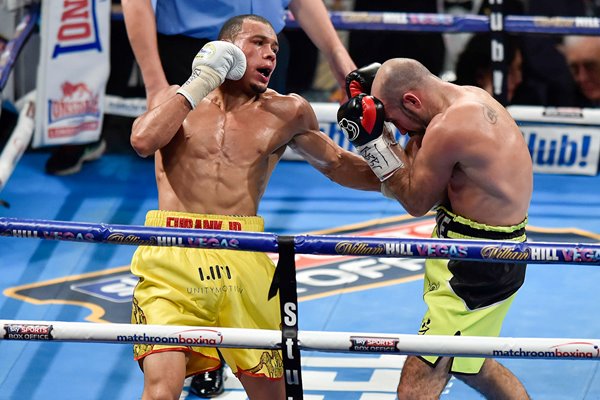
(339, 165)
(155, 128)
(313, 18)
(215, 62)
(429, 164)
(140, 23)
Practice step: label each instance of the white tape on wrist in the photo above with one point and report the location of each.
(380, 157)
(202, 81)
(188, 97)
(387, 192)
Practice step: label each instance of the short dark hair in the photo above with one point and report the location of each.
(233, 25)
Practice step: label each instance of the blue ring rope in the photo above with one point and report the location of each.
(423, 22)
(419, 22)
(474, 250)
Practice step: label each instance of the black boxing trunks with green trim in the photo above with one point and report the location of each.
(469, 298)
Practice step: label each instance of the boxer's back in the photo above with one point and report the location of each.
(492, 181)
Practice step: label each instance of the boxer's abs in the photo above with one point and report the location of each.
(200, 187)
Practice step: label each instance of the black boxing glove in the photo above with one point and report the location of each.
(362, 120)
(360, 80)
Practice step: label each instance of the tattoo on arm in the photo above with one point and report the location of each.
(490, 114)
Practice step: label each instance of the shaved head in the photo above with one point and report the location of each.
(398, 76)
(398, 82)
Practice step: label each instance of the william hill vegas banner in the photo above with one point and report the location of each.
(73, 71)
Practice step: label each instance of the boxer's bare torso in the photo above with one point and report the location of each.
(220, 161)
(491, 181)
(216, 157)
(465, 151)
(222, 155)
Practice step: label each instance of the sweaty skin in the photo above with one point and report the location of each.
(466, 152)
(218, 158)
(465, 149)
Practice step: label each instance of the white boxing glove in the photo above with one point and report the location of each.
(215, 62)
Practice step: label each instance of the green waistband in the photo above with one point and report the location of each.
(450, 225)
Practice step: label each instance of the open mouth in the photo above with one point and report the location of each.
(266, 72)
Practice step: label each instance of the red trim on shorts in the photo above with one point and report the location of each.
(182, 349)
(241, 371)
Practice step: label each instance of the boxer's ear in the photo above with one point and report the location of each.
(411, 101)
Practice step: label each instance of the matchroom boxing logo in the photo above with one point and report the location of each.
(570, 350)
(189, 337)
(107, 293)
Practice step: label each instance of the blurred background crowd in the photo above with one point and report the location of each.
(545, 70)
(542, 70)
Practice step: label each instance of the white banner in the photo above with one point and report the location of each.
(558, 115)
(73, 71)
(560, 140)
(557, 149)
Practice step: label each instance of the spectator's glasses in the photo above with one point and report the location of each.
(590, 67)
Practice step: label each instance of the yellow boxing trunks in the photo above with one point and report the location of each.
(469, 298)
(197, 287)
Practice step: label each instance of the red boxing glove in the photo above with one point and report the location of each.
(360, 80)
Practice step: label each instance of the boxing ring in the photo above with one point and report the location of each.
(557, 350)
(550, 340)
(285, 282)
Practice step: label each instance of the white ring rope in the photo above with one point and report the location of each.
(326, 112)
(349, 342)
(345, 342)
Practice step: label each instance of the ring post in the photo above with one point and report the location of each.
(285, 279)
(498, 52)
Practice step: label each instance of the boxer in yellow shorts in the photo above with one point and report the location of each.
(216, 140)
(198, 287)
(469, 298)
